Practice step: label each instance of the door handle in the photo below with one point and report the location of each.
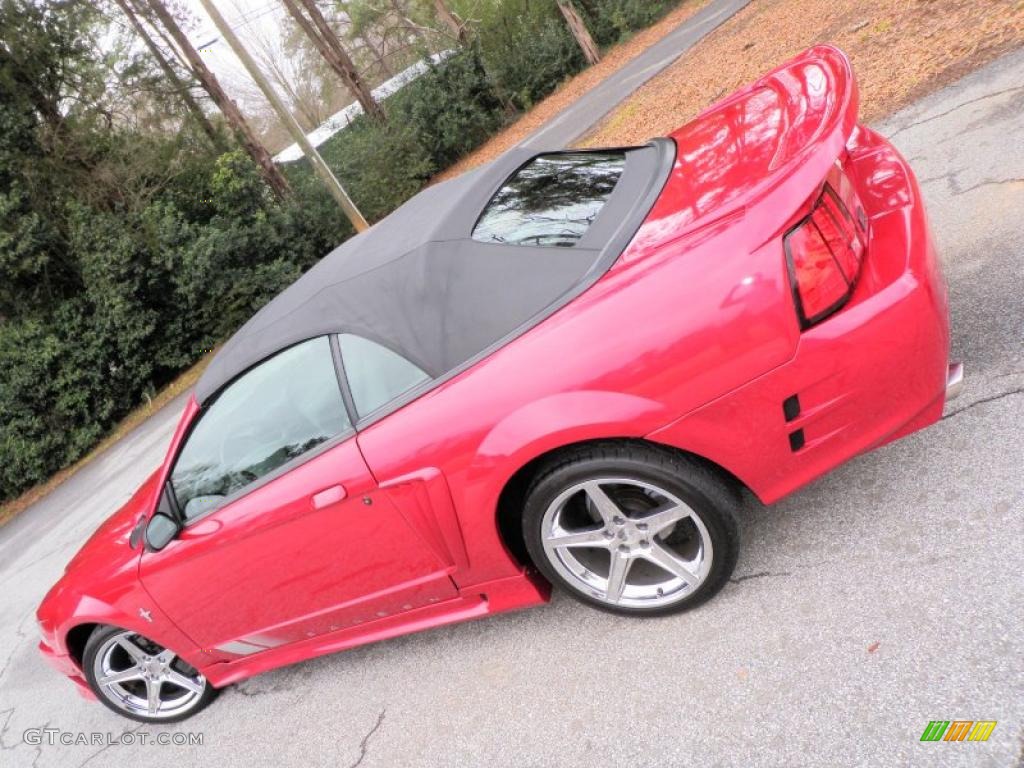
(329, 496)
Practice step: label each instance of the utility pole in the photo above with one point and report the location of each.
(270, 172)
(333, 185)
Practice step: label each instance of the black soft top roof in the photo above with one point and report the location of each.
(419, 284)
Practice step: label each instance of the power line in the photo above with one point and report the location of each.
(246, 18)
(250, 15)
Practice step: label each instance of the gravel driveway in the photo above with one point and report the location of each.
(883, 596)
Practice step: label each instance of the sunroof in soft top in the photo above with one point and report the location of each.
(552, 200)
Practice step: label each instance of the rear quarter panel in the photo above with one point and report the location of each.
(671, 326)
(698, 305)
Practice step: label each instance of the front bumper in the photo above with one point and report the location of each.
(873, 372)
(67, 667)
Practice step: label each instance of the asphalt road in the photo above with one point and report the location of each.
(886, 595)
(584, 113)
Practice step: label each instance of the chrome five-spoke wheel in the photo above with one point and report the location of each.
(632, 529)
(141, 679)
(627, 542)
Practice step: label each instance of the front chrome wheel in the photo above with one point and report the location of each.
(144, 680)
(626, 542)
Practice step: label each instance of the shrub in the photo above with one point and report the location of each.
(451, 109)
(381, 166)
(432, 122)
(529, 53)
(611, 21)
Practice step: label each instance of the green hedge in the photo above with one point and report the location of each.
(151, 288)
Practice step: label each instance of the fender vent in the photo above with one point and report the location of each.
(796, 440)
(791, 407)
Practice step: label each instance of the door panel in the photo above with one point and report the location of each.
(314, 550)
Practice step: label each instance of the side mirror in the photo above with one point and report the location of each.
(160, 531)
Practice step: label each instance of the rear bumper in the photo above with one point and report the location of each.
(873, 372)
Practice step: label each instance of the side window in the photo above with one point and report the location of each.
(376, 375)
(279, 410)
(552, 200)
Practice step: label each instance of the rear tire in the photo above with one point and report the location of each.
(632, 528)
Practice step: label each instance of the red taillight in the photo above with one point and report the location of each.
(824, 253)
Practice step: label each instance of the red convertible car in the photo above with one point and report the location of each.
(561, 369)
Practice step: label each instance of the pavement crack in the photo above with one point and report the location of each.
(5, 728)
(366, 739)
(253, 693)
(954, 109)
(950, 177)
(19, 634)
(38, 747)
(982, 401)
(988, 183)
(759, 575)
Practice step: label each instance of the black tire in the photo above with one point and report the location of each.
(97, 641)
(703, 489)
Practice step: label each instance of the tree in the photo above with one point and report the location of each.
(291, 73)
(270, 172)
(313, 23)
(579, 30)
(451, 21)
(180, 88)
(321, 168)
(375, 51)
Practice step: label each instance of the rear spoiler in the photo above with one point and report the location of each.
(775, 138)
(820, 100)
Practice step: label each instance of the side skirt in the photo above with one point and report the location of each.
(521, 591)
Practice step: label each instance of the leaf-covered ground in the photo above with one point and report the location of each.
(900, 50)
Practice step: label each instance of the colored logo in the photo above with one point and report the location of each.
(958, 730)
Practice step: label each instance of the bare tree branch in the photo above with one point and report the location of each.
(230, 110)
(323, 37)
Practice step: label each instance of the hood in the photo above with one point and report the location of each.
(108, 546)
